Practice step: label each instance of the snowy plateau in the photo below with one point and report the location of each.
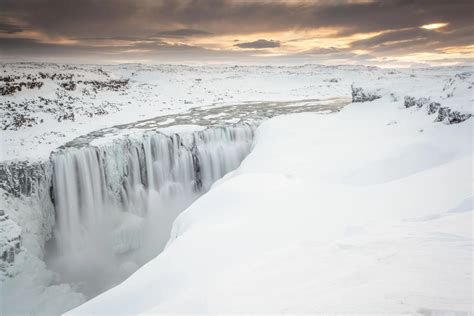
(170, 189)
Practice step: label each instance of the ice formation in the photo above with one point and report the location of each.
(116, 203)
(108, 207)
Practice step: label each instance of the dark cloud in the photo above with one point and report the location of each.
(149, 21)
(182, 33)
(416, 40)
(113, 38)
(261, 43)
(122, 17)
(9, 28)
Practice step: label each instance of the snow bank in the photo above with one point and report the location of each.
(368, 211)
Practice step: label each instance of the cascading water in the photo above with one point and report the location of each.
(115, 203)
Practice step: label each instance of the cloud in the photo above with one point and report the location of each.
(9, 28)
(331, 54)
(182, 33)
(261, 43)
(122, 17)
(415, 40)
(160, 23)
(113, 38)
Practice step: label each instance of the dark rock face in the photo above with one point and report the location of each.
(445, 114)
(11, 87)
(19, 120)
(433, 107)
(10, 241)
(69, 86)
(455, 117)
(26, 202)
(114, 85)
(56, 76)
(22, 178)
(411, 101)
(60, 105)
(359, 95)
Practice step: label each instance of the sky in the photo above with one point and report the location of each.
(383, 33)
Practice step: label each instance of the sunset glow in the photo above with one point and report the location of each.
(434, 26)
(269, 31)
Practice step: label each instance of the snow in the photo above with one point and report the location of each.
(35, 289)
(365, 211)
(157, 90)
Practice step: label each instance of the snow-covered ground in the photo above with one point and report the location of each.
(76, 99)
(368, 210)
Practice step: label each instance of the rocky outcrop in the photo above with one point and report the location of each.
(444, 113)
(10, 241)
(25, 198)
(68, 97)
(411, 101)
(449, 116)
(12, 87)
(22, 178)
(69, 86)
(433, 107)
(360, 95)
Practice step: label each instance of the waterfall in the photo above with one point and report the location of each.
(115, 203)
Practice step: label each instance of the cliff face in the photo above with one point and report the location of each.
(108, 206)
(25, 189)
(10, 241)
(26, 224)
(97, 189)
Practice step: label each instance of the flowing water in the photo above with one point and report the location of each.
(118, 190)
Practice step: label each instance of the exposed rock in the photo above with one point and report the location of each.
(20, 120)
(359, 95)
(114, 85)
(12, 87)
(66, 116)
(411, 101)
(69, 86)
(448, 116)
(22, 178)
(433, 107)
(445, 114)
(25, 198)
(56, 76)
(10, 241)
(463, 75)
(62, 105)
